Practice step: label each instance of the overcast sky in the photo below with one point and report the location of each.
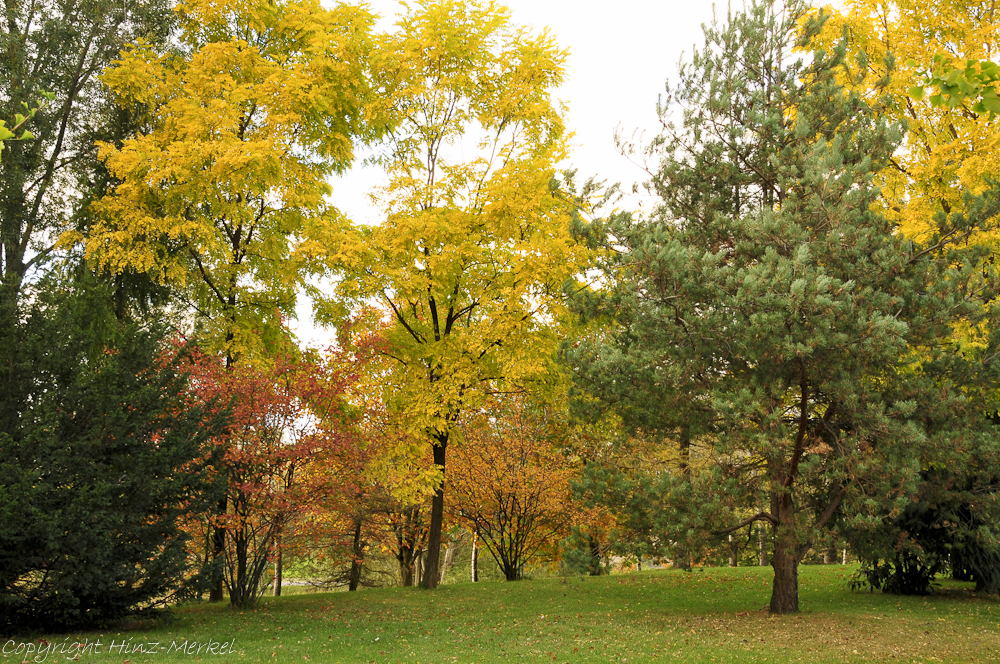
(621, 54)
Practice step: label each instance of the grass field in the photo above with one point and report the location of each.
(710, 615)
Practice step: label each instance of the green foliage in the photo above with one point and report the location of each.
(20, 119)
(55, 50)
(769, 314)
(976, 80)
(101, 453)
(950, 524)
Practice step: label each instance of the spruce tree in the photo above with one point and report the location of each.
(767, 318)
(103, 452)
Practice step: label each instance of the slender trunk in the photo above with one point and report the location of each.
(430, 578)
(449, 558)
(830, 556)
(475, 557)
(218, 591)
(762, 544)
(357, 557)
(734, 553)
(418, 567)
(276, 586)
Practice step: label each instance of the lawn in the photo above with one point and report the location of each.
(709, 615)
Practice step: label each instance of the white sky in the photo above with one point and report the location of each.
(621, 54)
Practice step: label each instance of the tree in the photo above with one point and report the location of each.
(773, 308)
(224, 194)
(107, 453)
(949, 149)
(510, 484)
(57, 49)
(472, 253)
(288, 416)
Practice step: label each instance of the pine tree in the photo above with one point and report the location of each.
(767, 317)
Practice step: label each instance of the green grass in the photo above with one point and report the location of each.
(711, 615)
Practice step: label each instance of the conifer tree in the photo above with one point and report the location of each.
(766, 315)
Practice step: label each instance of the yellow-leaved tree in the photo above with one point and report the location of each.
(947, 151)
(246, 118)
(474, 248)
(261, 102)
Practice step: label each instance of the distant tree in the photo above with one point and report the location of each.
(769, 306)
(105, 453)
(288, 417)
(510, 484)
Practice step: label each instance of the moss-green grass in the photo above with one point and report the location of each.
(710, 615)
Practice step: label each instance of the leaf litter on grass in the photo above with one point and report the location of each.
(659, 616)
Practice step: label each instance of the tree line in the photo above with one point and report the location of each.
(796, 344)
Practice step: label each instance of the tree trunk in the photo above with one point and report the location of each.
(276, 584)
(762, 544)
(430, 576)
(734, 553)
(475, 557)
(785, 589)
(357, 557)
(218, 592)
(449, 557)
(830, 556)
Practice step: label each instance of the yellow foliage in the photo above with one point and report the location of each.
(946, 151)
(247, 121)
(475, 244)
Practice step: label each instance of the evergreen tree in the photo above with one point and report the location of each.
(102, 452)
(767, 319)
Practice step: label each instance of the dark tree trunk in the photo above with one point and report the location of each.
(406, 574)
(357, 557)
(218, 591)
(785, 589)
(430, 576)
(475, 556)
